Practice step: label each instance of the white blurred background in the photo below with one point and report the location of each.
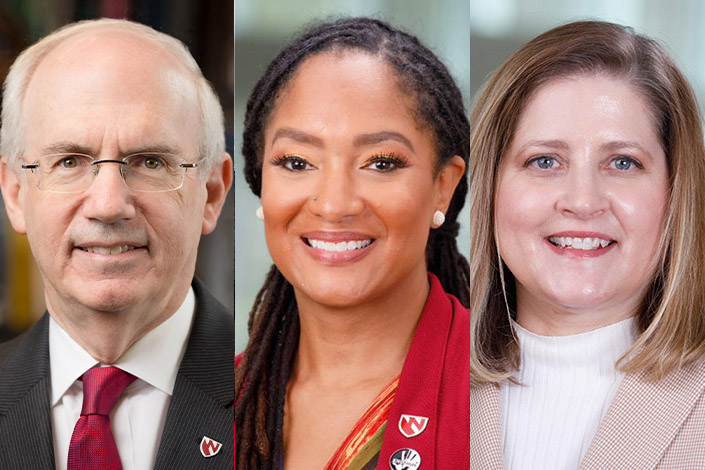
(499, 27)
(262, 27)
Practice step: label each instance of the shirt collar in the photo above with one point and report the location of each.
(154, 358)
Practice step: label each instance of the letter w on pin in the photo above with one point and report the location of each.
(210, 447)
(412, 426)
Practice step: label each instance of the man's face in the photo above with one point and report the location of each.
(109, 95)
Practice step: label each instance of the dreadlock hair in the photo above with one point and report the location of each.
(263, 372)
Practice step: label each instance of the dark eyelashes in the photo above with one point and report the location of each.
(291, 162)
(633, 161)
(382, 162)
(397, 161)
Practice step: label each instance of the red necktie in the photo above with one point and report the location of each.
(92, 444)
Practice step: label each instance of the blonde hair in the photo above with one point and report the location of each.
(212, 132)
(671, 320)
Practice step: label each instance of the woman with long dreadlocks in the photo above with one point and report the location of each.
(357, 142)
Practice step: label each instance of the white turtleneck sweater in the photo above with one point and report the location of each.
(568, 383)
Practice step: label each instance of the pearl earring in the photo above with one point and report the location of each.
(438, 219)
(260, 213)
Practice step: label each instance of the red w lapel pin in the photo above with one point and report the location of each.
(412, 426)
(210, 447)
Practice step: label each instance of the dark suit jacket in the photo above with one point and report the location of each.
(201, 404)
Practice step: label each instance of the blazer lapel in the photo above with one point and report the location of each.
(202, 402)
(25, 413)
(486, 451)
(643, 419)
(420, 381)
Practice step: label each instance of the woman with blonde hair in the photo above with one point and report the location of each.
(587, 257)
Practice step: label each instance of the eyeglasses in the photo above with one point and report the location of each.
(74, 172)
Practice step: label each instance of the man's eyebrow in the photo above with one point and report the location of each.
(72, 147)
(160, 148)
(377, 137)
(297, 135)
(66, 147)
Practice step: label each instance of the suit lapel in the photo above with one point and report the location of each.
(25, 413)
(643, 419)
(486, 451)
(202, 402)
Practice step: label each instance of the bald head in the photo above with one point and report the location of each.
(95, 60)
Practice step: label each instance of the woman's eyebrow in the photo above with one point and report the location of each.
(360, 140)
(622, 144)
(297, 135)
(551, 143)
(377, 137)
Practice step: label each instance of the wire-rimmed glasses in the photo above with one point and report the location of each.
(75, 172)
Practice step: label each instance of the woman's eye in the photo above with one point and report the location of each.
(625, 163)
(293, 163)
(543, 162)
(385, 164)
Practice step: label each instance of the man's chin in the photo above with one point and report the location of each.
(108, 297)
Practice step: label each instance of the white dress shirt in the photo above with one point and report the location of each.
(137, 418)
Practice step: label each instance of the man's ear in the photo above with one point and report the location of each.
(446, 182)
(217, 186)
(10, 186)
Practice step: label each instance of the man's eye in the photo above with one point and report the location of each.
(152, 163)
(68, 162)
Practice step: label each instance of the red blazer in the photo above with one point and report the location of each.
(434, 384)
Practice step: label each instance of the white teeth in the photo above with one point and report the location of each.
(340, 246)
(115, 250)
(580, 243)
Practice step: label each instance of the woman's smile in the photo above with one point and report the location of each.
(337, 248)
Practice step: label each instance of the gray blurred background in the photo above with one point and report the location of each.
(499, 27)
(262, 27)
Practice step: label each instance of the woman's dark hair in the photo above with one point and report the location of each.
(262, 374)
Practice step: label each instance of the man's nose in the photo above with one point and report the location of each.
(108, 199)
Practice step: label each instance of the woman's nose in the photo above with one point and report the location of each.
(337, 195)
(583, 194)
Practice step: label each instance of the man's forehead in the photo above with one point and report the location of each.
(96, 81)
(112, 43)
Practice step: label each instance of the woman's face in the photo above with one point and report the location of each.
(580, 203)
(348, 183)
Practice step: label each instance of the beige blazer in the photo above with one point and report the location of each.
(648, 425)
